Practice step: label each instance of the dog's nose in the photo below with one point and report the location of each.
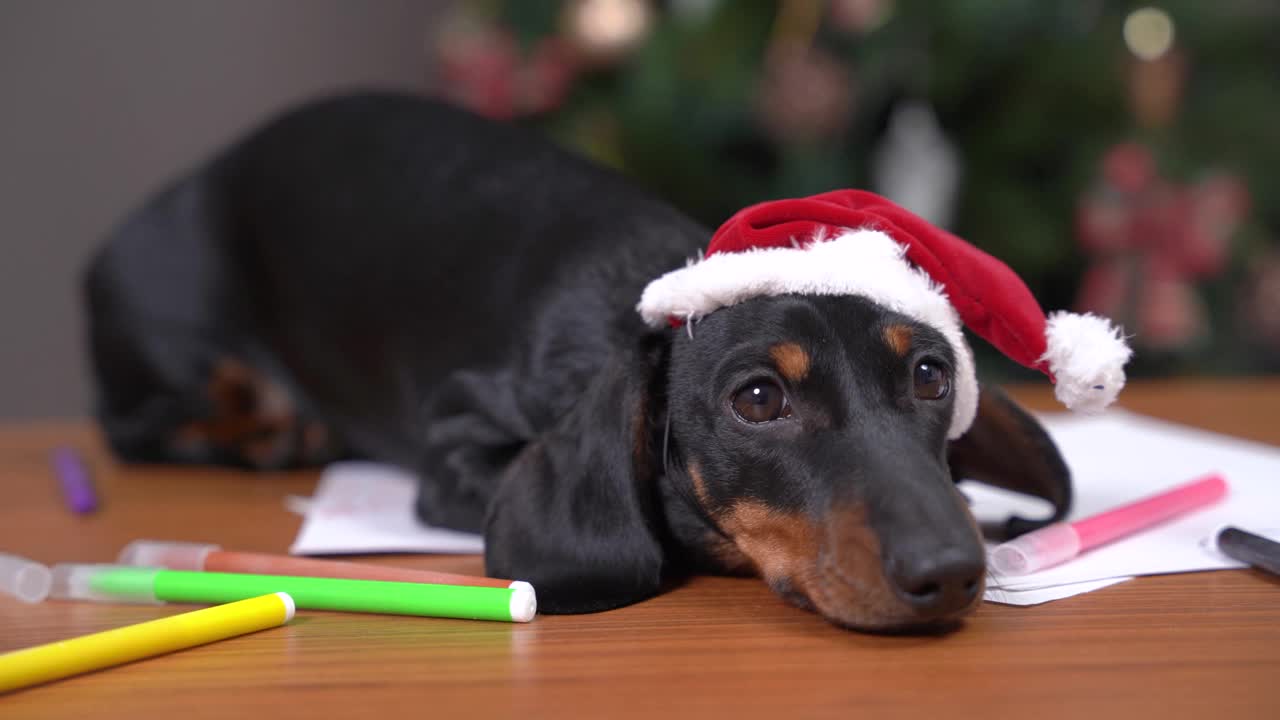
(939, 583)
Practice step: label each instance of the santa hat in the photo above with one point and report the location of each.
(850, 242)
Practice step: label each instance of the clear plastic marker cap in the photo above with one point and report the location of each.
(1038, 549)
(166, 554)
(104, 583)
(24, 579)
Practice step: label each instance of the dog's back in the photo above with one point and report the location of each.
(312, 290)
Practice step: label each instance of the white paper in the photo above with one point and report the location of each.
(1044, 595)
(364, 507)
(1119, 457)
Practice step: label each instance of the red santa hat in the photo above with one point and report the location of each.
(851, 242)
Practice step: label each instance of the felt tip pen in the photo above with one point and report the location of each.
(57, 660)
(1060, 542)
(1262, 553)
(123, 583)
(204, 556)
(77, 486)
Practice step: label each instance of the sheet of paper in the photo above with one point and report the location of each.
(363, 507)
(1044, 595)
(1119, 457)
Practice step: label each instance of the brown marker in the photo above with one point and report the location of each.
(212, 558)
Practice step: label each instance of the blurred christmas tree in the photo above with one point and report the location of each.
(1121, 158)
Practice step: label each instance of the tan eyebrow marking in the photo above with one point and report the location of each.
(898, 338)
(792, 361)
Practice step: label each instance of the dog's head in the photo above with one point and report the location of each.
(812, 432)
(801, 438)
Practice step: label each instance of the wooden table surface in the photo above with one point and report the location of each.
(1197, 645)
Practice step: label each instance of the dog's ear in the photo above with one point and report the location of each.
(1007, 447)
(575, 511)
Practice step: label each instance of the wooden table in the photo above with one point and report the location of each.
(1198, 645)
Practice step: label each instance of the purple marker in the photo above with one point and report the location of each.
(77, 487)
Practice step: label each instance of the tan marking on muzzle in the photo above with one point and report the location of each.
(781, 545)
(699, 486)
(852, 588)
(836, 563)
(731, 558)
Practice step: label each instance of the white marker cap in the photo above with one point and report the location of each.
(166, 554)
(524, 601)
(24, 579)
(289, 606)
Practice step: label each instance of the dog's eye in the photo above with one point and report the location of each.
(761, 401)
(931, 380)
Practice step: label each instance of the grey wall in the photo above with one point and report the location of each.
(101, 102)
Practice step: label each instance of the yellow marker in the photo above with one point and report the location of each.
(57, 660)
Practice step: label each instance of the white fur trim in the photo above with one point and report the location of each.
(1086, 355)
(867, 263)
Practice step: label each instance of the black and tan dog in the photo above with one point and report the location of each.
(385, 277)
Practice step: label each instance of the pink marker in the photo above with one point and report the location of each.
(1060, 542)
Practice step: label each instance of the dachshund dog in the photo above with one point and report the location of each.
(385, 277)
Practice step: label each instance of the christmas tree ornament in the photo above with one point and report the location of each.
(545, 78)
(1170, 313)
(852, 242)
(480, 67)
(804, 95)
(859, 17)
(915, 165)
(1150, 240)
(604, 30)
(1156, 87)
(1214, 209)
(475, 62)
(1148, 33)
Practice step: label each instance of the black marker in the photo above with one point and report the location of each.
(1249, 548)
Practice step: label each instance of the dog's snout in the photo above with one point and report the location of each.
(939, 583)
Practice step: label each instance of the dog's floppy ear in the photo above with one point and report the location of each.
(1008, 448)
(574, 513)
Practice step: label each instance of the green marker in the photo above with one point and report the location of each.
(125, 583)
